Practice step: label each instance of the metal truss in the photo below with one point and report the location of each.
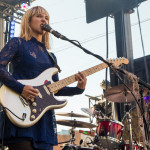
(9, 12)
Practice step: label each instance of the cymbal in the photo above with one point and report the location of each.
(88, 111)
(117, 93)
(74, 123)
(72, 115)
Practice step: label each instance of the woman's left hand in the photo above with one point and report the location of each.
(81, 78)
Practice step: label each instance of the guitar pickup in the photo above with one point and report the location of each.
(23, 101)
(46, 89)
(40, 95)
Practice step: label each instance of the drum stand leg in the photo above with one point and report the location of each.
(72, 133)
(72, 139)
(129, 126)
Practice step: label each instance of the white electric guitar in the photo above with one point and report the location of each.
(25, 113)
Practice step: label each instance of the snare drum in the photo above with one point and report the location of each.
(109, 133)
(134, 146)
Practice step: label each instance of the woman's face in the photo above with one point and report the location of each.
(36, 21)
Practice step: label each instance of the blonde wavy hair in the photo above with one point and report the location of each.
(26, 32)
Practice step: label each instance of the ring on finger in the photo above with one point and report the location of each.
(30, 97)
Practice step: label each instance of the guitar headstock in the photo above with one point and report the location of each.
(118, 61)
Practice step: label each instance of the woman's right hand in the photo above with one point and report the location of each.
(29, 92)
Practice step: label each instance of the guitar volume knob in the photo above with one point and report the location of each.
(32, 117)
(34, 104)
(34, 111)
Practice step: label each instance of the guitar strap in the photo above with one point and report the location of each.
(54, 61)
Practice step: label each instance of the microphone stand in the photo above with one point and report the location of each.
(58, 35)
(128, 121)
(141, 90)
(114, 70)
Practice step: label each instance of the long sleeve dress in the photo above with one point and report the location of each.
(29, 59)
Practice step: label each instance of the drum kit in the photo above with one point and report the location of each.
(109, 134)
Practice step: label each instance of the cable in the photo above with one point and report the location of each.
(145, 61)
(68, 20)
(106, 73)
(13, 113)
(3, 130)
(93, 38)
(84, 41)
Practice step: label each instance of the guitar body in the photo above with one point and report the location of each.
(30, 111)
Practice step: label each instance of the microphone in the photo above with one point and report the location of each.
(47, 28)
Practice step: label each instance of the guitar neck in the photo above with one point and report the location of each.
(69, 80)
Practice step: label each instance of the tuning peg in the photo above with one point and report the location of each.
(114, 59)
(110, 60)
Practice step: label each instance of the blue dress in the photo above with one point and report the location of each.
(29, 59)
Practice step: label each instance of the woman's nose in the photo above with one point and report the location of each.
(44, 20)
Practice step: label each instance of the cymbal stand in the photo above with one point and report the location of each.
(128, 120)
(72, 133)
(72, 139)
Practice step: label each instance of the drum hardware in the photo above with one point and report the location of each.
(104, 107)
(109, 133)
(128, 118)
(135, 146)
(72, 133)
(129, 126)
(93, 97)
(94, 113)
(69, 147)
(103, 84)
(72, 139)
(89, 111)
(122, 94)
(74, 123)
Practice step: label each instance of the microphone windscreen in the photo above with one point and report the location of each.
(46, 27)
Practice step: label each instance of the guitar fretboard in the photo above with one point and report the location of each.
(69, 80)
